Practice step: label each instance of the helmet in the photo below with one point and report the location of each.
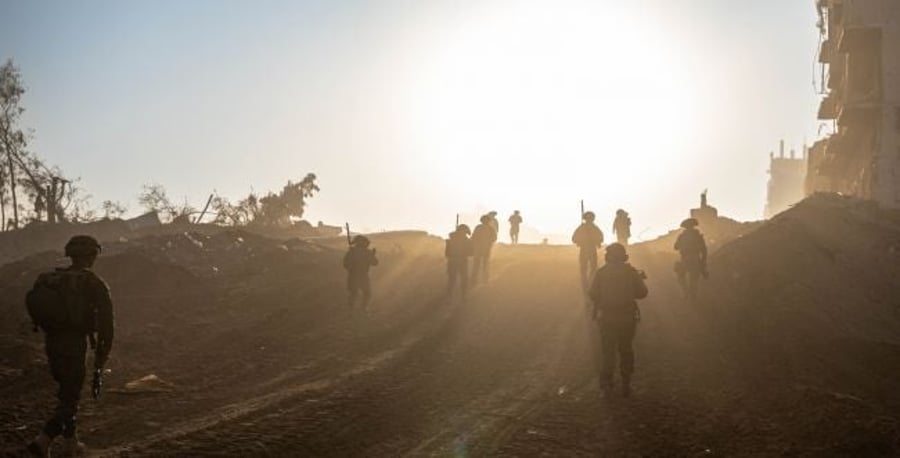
(621, 212)
(588, 216)
(486, 219)
(615, 252)
(81, 246)
(360, 240)
(492, 213)
(689, 223)
(463, 228)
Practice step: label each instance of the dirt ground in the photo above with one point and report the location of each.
(793, 349)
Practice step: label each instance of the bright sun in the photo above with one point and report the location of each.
(585, 97)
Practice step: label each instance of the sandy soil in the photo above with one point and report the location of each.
(264, 358)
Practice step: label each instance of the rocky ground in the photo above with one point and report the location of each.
(793, 349)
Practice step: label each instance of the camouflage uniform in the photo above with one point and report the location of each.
(357, 261)
(483, 239)
(66, 349)
(614, 289)
(457, 251)
(692, 248)
(589, 239)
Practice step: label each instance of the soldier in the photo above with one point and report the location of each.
(514, 222)
(589, 239)
(457, 251)
(357, 261)
(483, 239)
(692, 247)
(87, 314)
(622, 227)
(614, 290)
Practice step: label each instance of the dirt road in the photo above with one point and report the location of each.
(510, 372)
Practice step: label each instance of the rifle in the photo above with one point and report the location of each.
(97, 384)
(582, 211)
(349, 241)
(457, 222)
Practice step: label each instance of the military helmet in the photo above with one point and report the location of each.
(360, 240)
(588, 216)
(616, 252)
(485, 219)
(621, 212)
(81, 246)
(464, 228)
(689, 223)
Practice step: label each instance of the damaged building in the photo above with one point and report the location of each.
(861, 81)
(786, 181)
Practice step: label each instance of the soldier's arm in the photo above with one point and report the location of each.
(105, 323)
(595, 289)
(575, 235)
(703, 251)
(374, 260)
(347, 260)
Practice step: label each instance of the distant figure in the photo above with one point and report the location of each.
(357, 261)
(615, 289)
(495, 223)
(589, 239)
(692, 247)
(457, 251)
(86, 309)
(514, 222)
(483, 239)
(622, 227)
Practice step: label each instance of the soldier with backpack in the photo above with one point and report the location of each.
(458, 250)
(622, 227)
(357, 261)
(589, 239)
(692, 265)
(72, 306)
(483, 238)
(614, 291)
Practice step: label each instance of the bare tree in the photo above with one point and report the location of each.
(112, 209)
(12, 139)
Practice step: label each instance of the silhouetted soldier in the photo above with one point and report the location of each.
(357, 261)
(589, 239)
(615, 289)
(483, 239)
(692, 247)
(514, 222)
(457, 251)
(72, 305)
(622, 227)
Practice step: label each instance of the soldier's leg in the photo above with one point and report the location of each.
(625, 344)
(366, 287)
(583, 261)
(693, 281)
(464, 277)
(66, 357)
(476, 260)
(608, 354)
(452, 272)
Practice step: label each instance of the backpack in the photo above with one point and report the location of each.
(55, 302)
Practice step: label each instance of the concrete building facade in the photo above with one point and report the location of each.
(787, 177)
(860, 54)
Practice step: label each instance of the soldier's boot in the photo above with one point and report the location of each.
(40, 446)
(72, 447)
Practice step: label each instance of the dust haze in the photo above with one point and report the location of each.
(471, 239)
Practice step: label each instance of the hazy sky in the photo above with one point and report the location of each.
(412, 111)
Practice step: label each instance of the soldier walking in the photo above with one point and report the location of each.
(515, 221)
(457, 251)
(614, 290)
(483, 239)
(692, 264)
(589, 239)
(622, 227)
(358, 260)
(72, 306)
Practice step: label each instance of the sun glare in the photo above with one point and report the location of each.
(579, 97)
